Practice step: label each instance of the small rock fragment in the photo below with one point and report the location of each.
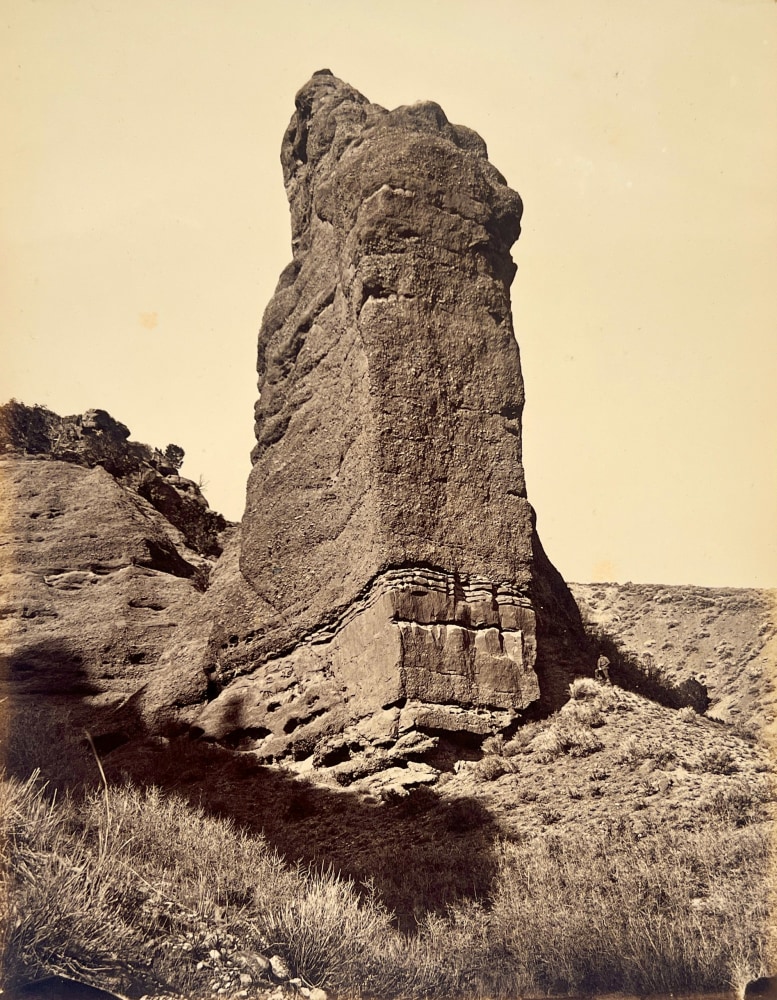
(279, 968)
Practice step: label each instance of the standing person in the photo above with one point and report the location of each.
(602, 672)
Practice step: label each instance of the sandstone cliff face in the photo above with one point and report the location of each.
(389, 568)
(93, 578)
(95, 439)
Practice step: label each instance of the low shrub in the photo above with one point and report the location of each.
(491, 767)
(547, 746)
(737, 803)
(522, 739)
(631, 753)
(565, 735)
(664, 756)
(419, 801)
(580, 742)
(463, 815)
(746, 731)
(582, 688)
(107, 888)
(586, 713)
(493, 744)
(718, 760)
(302, 804)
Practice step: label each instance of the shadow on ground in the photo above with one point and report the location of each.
(420, 853)
(644, 677)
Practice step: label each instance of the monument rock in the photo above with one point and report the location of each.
(388, 579)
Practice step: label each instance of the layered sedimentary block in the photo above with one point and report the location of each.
(388, 557)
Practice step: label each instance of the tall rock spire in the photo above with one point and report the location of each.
(388, 553)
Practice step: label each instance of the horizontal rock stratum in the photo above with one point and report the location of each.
(388, 561)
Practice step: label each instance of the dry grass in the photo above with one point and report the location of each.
(639, 862)
(108, 887)
(688, 714)
(584, 687)
(663, 913)
(570, 731)
(133, 887)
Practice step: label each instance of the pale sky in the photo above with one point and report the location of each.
(144, 225)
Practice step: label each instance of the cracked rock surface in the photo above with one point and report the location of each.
(388, 558)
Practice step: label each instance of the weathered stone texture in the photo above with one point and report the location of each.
(95, 439)
(92, 580)
(388, 428)
(388, 546)
(101, 557)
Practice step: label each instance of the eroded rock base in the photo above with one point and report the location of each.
(422, 652)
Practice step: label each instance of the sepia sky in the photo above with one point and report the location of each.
(144, 225)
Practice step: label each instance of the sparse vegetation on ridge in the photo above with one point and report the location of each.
(724, 638)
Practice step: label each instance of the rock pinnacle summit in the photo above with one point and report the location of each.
(388, 566)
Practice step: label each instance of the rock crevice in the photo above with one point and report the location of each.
(388, 551)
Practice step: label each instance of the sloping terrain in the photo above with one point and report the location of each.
(610, 760)
(725, 638)
(93, 576)
(440, 825)
(648, 823)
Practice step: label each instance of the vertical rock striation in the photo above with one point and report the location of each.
(389, 558)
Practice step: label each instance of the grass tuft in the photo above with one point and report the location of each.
(582, 688)
(133, 888)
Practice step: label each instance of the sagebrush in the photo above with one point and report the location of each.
(132, 886)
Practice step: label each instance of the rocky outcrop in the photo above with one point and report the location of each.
(95, 439)
(93, 578)
(389, 573)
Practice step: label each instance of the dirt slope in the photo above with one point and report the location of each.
(724, 637)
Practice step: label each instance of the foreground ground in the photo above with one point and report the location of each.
(620, 844)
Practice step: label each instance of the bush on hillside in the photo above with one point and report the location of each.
(584, 687)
